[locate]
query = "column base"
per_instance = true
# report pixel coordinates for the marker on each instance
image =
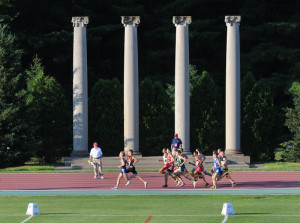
(233, 152)
(134, 152)
(79, 154)
(238, 157)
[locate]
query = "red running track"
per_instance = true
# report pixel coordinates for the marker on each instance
(85, 181)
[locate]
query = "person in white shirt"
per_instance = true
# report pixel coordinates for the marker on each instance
(96, 159)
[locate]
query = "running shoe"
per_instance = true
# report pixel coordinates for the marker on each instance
(146, 184)
(164, 186)
(194, 183)
(207, 184)
(95, 177)
(182, 185)
(128, 182)
(115, 188)
(178, 183)
(102, 177)
(213, 187)
(233, 184)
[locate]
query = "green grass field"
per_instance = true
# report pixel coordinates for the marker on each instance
(178, 208)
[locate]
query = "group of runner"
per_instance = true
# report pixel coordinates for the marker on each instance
(174, 167)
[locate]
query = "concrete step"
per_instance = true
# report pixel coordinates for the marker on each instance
(147, 162)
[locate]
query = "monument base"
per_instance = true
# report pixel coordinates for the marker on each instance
(80, 154)
(237, 157)
(232, 152)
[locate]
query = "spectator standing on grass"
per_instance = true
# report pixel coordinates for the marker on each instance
(96, 159)
(176, 144)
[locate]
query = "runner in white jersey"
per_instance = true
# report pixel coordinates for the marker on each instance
(165, 160)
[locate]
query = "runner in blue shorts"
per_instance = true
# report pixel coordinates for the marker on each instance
(123, 170)
(217, 170)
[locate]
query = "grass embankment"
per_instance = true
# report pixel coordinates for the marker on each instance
(179, 208)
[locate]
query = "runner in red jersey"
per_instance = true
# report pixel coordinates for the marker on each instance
(169, 168)
(199, 170)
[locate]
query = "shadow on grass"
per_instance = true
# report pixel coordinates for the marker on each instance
(252, 213)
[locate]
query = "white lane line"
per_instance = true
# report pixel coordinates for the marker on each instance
(27, 219)
(225, 219)
(162, 215)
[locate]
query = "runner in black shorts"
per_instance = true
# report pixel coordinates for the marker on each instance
(131, 162)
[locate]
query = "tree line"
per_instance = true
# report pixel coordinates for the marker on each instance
(36, 74)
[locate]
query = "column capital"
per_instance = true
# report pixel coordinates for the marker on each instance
(231, 19)
(80, 21)
(130, 20)
(182, 20)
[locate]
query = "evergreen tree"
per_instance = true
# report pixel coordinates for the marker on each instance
(156, 118)
(47, 109)
(106, 122)
(14, 148)
(258, 123)
(247, 85)
(292, 147)
(207, 131)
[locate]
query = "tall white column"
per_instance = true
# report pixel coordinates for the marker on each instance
(233, 91)
(182, 81)
(80, 88)
(131, 94)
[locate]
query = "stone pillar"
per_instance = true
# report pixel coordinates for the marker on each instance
(182, 81)
(233, 91)
(80, 88)
(131, 94)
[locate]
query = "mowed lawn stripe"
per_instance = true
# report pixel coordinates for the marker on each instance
(162, 208)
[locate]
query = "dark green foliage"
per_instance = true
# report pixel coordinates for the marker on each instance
(156, 118)
(207, 115)
(291, 151)
(47, 111)
(269, 32)
(292, 147)
(258, 123)
(270, 51)
(13, 125)
(106, 122)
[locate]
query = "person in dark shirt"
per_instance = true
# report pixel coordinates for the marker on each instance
(176, 143)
